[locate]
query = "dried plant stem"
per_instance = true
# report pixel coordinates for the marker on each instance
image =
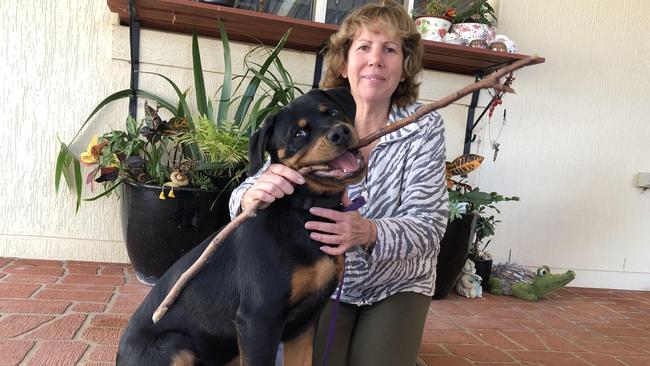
(491, 81)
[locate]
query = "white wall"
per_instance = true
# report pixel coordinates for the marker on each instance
(575, 139)
(577, 135)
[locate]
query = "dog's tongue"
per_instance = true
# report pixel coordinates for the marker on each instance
(346, 162)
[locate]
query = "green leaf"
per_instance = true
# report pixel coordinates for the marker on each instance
(126, 93)
(77, 180)
(255, 81)
(226, 88)
(199, 84)
(115, 184)
(60, 166)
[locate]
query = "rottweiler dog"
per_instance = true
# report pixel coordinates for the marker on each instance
(268, 281)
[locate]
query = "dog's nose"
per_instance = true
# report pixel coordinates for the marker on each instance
(339, 135)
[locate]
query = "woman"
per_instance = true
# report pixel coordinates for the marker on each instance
(392, 242)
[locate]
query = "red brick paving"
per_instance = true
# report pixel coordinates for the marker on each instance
(72, 313)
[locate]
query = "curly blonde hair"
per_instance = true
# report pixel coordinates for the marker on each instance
(387, 15)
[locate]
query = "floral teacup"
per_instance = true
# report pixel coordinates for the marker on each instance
(432, 28)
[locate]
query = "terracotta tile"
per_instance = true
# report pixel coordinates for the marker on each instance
(620, 331)
(81, 287)
(83, 269)
(14, 350)
(611, 348)
(102, 335)
(496, 339)
(5, 261)
(30, 279)
(449, 336)
(134, 289)
(554, 341)
(17, 290)
(445, 360)
(38, 263)
(110, 320)
(548, 358)
(86, 296)
(100, 264)
(111, 271)
(476, 352)
(58, 353)
(62, 328)
(599, 359)
(104, 353)
(32, 270)
(33, 306)
(432, 349)
(87, 307)
(93, 280)
(635, 361)
(526, 339)
(441, 307)
(441, 323)
(126, 304)
(14, 325)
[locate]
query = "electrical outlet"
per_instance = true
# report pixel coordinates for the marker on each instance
(643, 180)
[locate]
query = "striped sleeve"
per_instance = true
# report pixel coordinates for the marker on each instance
(234, 204)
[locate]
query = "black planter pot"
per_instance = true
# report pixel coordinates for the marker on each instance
(454, 249)
(158, 232)
(483, 269)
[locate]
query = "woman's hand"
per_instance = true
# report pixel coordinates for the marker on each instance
(274, 183)
(348, 229)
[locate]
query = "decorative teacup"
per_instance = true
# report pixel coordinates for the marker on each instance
(432, 28)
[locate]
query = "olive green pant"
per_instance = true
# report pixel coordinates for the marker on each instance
(387, 333)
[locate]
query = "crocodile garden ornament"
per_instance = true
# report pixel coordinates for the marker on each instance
(515, 280)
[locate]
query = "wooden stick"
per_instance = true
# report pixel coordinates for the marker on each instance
(491, 81)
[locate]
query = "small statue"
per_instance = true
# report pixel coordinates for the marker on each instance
(469, 283)
(515, 280)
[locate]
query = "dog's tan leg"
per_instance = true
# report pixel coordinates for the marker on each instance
(235, 362)
(183, 358)
(299, 351)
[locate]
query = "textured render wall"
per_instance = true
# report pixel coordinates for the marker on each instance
(56, 63)
(576, 135)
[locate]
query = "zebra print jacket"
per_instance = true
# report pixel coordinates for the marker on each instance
(407, 199)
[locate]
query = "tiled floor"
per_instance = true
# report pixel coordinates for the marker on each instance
(67, 313)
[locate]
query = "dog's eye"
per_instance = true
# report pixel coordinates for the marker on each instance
(334, 113)
(300, 134)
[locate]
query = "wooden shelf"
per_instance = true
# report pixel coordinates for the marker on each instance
(254, 27)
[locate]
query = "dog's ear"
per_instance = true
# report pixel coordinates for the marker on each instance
(258, 145)
(342, 97)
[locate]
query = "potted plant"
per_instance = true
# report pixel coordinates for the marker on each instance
(470, 222)
(475, 22)
(176, 167)
(434, 20)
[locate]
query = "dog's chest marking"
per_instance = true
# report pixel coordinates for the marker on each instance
(306, 280)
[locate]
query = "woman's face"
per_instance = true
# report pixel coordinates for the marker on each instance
(374, 65)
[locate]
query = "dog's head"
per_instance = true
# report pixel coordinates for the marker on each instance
(315, 130)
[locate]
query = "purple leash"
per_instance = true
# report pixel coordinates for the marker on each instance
(355, 205)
